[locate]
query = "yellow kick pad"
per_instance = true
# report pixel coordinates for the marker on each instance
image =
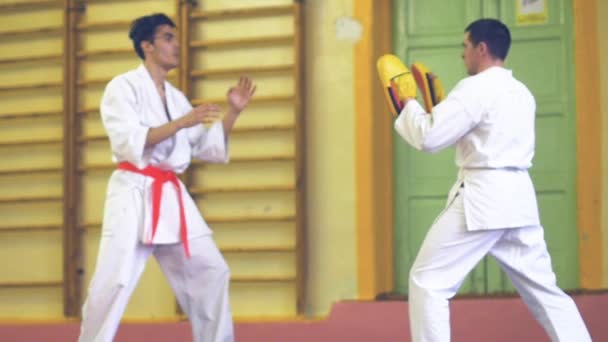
(397, 82)
(431, 88)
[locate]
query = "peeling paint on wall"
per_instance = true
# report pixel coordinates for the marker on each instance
(348, 29)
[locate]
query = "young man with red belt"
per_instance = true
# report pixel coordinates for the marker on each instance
(154, 133)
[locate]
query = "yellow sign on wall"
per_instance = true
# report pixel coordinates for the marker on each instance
(529, 12)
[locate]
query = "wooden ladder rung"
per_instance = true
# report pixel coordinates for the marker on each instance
(255, 100)
(32, 86)
(31, 142)
(93, 138)
(24, 171)
(258, 129)
(258, 249)
(90, 225)
(48, 30)
(97, 167)
(262, 279)
(246, 12)
(30, 228)
(29, 199)
(26, 59)
(204, 44)
(171, 77)
(250, 159)
(105, 52)
(249, 218)
(86, 111)
(233, 189)
(236, 159)
(93, 82)
(265, 128)
(241, 71)
(29, 4)
(215, 220)
(108, 24)
(119, 2)
(223, 219)
(29, 115)
(30, 284)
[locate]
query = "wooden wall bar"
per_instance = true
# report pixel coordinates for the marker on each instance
(56, 58)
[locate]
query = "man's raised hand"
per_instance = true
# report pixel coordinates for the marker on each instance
(240, 95)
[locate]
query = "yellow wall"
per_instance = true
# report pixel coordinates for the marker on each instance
(374, 153)
(32, 259)
(330, 150)
(603, 50)
(331, 166)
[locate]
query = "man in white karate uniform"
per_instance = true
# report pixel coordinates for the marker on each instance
(154, 133)
(489, 118)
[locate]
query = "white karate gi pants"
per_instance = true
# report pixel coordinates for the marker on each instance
(199, 283)
(449, 252)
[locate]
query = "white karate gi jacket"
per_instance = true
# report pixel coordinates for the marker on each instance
(131, 106)
(489, 118)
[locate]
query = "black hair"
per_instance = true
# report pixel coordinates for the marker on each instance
(494, 33)
(144, 28)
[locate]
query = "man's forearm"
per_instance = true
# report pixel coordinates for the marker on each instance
(160, 133)
(229, 120)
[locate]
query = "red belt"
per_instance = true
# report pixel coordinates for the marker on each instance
(160, 178)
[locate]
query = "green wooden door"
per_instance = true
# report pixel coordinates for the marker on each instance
(431, 32)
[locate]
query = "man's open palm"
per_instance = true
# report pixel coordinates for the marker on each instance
(240, 95)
